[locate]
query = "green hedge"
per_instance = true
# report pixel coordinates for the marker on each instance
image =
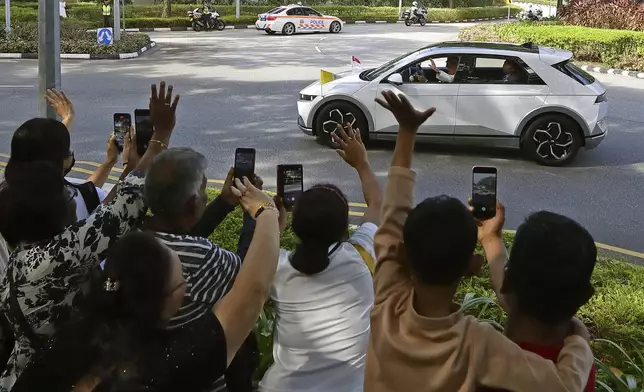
(74, 39)
(270, 3)
(89, 16)
(613, 48)
(616, 311)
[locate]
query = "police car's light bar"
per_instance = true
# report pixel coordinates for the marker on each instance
(304, 97)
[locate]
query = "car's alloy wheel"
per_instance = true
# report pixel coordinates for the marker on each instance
(289, 29)
(335, 27)
(339, 113)
(553, 140)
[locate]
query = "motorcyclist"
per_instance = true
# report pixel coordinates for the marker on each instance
(415, 10)
(206, 6)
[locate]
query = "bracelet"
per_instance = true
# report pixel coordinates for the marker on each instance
(160, 143)
(266, 207)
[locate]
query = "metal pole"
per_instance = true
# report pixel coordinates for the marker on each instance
(117, 20)
(123, 15)
(509, 11)
(237, 8)
(7, 15)
(399, 9)
(48, 53)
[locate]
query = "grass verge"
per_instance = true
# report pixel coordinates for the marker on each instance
(619, 49)
(615, 313)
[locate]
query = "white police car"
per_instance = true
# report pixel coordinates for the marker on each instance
(291, 19)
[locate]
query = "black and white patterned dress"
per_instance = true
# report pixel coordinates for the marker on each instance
(49, 277)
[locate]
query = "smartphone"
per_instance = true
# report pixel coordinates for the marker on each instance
(245, 163)
(290, 184)
(122, 123)
(144, 130)
(484, 192)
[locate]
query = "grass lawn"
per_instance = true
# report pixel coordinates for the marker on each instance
(615, 313)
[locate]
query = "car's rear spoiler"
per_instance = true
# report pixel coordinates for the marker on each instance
(548, 55)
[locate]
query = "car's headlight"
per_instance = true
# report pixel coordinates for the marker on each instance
(305, 97)
(601, 98)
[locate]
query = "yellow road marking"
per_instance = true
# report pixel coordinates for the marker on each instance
(611, 248)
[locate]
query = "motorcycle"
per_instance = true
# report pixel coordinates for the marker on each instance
(531, 15)
(411, 19)
(206, 21)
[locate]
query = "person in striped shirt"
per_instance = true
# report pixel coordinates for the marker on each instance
(175, 191)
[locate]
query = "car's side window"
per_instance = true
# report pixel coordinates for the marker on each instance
(294, 11)
(311, 12)
(500, 70)
(441, 69)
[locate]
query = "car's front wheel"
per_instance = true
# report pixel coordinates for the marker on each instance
(335, 113)
(552, 140)
(288, 29)
(336, 27)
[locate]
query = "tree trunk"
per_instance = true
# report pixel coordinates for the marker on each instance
(559, 5)
(167, 9)
(452, 4)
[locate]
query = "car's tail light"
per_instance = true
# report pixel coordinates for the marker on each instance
(271, 17)
(601, 98)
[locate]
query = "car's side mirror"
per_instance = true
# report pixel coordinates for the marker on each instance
(395, 79)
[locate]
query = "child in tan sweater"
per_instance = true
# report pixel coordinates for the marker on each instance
(420, 341)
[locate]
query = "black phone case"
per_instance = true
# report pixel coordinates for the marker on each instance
(280, 185)
(490, 208)
(241, 173)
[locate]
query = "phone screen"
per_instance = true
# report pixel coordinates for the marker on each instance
(291, 178)
(122, 123)
(245, 163)
(144, 130)
(484, 192)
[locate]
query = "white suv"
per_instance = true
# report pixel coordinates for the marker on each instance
(501, 95)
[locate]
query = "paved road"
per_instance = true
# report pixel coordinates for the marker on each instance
(240, 88)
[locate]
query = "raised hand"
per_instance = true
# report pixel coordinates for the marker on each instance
(251, 198)
(112, 150)
(130, 154)
(350, 146)
(491, 228)
(163, 109)
(61, 104)
(409, 118)
(226, 191)
(283, 214)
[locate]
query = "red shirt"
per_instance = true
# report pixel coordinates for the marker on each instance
(551, 353)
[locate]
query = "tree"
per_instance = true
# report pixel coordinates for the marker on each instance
(452, 3)
(167, 9)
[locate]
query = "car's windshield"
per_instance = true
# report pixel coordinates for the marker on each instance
(376, 72)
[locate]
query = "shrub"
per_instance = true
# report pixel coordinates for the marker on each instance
(74, 39)
(613, 48)
(604, 14)
(138, 16)
(370, 3)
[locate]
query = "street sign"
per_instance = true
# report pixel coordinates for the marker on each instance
(105, 36)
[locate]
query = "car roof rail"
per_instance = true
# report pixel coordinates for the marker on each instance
(530, 45)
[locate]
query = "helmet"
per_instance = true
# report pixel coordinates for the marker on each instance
(415, 4)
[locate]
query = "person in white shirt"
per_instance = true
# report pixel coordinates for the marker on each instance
(452, 67)
(323, 291)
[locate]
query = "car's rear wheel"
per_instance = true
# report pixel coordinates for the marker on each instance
(339, 112)
(288, 29)
(552, 140)
(336, 27)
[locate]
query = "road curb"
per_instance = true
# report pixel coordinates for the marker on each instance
(83, 56)
(242, 27)
(612, 71)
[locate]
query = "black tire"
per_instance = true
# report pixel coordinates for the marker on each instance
(408, 22)
(338, 112)
(552, 140)
(271, 32)
(288, 29)
(423, 22)
(220, 25)
(196, 26)
(335, 28)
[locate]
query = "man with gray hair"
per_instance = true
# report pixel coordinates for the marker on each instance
(175, 192)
